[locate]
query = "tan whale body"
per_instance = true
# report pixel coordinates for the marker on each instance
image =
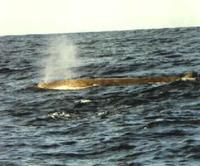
(87, 83)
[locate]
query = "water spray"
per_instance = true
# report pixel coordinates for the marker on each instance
(61, 56)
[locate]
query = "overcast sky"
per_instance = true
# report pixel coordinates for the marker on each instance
(62, 16)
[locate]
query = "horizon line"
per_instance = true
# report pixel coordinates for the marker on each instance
(99, 31)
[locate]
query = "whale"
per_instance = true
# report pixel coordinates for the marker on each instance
(77, 84)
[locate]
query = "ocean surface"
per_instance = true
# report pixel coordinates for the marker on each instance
(138, 125)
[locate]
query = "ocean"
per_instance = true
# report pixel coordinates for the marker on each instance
(139, 125)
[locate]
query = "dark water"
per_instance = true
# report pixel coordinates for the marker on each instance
(135, 125)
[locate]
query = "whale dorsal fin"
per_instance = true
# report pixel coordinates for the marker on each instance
(189, 76)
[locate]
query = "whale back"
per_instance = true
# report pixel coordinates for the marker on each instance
(87, 83)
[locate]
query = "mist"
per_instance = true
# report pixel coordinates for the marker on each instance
(60, 57)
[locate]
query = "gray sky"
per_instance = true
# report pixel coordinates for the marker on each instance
(61, 16)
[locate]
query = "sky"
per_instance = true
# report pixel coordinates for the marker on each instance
(65, 16)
